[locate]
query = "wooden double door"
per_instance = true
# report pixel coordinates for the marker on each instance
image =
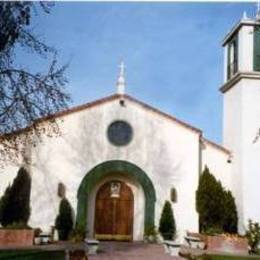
(114, 212)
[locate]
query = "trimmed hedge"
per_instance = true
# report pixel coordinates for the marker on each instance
(167, 226)
(64, 221)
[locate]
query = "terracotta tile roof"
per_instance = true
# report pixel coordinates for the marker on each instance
(114, 97)
(66, 112)
(165, 115)
(82, 107)
(217, 146)
(127, 97)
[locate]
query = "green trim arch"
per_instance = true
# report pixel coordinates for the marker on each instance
(94, 176)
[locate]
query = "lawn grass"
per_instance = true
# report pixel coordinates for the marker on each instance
(32, 255)
(227, 257)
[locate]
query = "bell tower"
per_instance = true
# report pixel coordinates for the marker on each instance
(241, 115)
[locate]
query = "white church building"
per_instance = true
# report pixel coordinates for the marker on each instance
(120, 159)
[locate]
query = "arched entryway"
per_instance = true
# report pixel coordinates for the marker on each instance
(125, 170)
(114, 211)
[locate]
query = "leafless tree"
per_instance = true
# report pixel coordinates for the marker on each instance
(26, 97)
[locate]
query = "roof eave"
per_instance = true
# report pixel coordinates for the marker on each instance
(243, 22)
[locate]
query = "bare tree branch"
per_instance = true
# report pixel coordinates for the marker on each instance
(25, 97)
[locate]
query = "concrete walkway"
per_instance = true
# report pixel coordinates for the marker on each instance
(109, 250)
(131, 251)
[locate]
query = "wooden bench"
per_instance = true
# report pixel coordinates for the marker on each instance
(171, 247)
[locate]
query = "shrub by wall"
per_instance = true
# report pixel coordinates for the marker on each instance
(167, 226)
(64, 221)
(216, 206)
(15, 203)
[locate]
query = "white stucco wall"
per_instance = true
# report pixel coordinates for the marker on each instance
(232, 136)
(250, 149)
(245, 48)
(218, 163)
(165, 150)
(7, 175)
(241, 124)
(9, 168)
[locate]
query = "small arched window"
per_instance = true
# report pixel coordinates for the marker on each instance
(61, 190)
(173, 195)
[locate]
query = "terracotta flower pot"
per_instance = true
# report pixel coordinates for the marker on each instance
(229, 244)
(16, 237)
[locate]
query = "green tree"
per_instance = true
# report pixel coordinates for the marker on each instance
(167, 226)
(230, 213)
(64, 221)
(15, 203)
(209, 202)
(216, 206)
(4, 201)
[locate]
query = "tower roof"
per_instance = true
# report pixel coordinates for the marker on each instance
(245, 21)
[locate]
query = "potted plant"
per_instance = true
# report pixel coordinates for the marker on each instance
(253, 236)
(37, 238)
(77, 235)
(167, 229)
(150, 234)
(15, 212)
(167, 226)
(16, 234)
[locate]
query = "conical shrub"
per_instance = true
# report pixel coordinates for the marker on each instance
(167, 226)
(64, 221)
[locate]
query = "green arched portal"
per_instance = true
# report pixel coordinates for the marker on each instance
(99, 172)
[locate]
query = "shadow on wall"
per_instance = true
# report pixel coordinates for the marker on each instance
(86, 141)
(44, 191)
(84, 144)
(166, 167)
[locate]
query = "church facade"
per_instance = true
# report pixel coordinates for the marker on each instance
(120, 159)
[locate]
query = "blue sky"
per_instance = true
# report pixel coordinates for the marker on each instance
(172, 52)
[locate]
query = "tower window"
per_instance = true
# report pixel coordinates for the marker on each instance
(232, 58)
(257, 48)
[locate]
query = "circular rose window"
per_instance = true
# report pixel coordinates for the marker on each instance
(120, 133)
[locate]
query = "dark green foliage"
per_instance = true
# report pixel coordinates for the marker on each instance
(230, 217)
(64, 221)
(4, 201)
(167, 226)
(224, 257)
(32, 254)
(17, 225)
(15, 203)
(209, 201)
(253, 236)
(216, 207)
(150, 231)
(77, 235)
